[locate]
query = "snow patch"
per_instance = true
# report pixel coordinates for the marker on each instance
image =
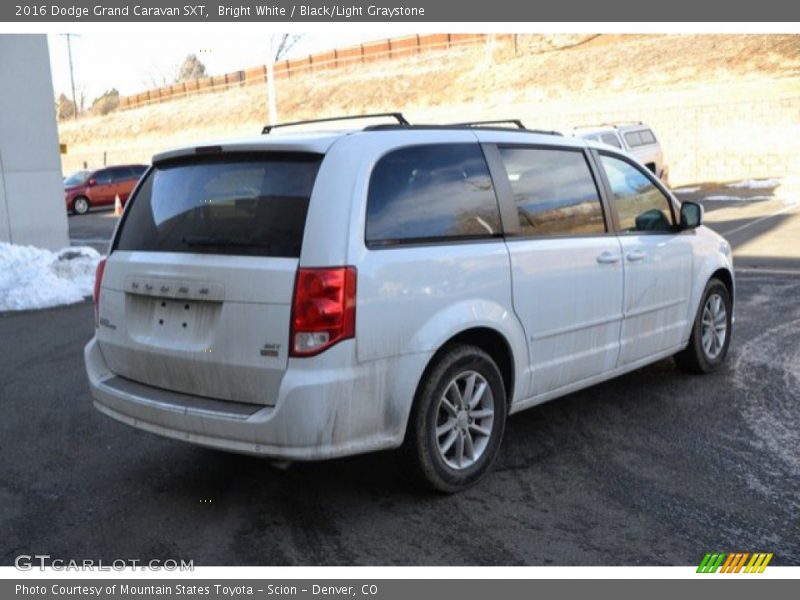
(755, 184)
(687, 190)
(32, 277)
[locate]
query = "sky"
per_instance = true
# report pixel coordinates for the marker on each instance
(133, 63)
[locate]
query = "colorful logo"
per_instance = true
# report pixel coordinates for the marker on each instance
(734, 562)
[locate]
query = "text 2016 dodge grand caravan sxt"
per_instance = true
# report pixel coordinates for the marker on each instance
(313, 295)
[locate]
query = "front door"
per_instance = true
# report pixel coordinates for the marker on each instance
(657, 262)
(102, 192)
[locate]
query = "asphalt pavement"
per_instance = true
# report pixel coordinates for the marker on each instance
(92, 229)
(654, 468)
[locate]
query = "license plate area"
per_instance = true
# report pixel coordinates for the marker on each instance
(173, 323)
(175, 317)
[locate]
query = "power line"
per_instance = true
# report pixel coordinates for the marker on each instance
(71, 75)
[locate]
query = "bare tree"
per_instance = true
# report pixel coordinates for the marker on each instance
(280, 44)
(283, 44)
(102, 105)
(80, 90)
(191, 68)
(159, 75)
(65, 108)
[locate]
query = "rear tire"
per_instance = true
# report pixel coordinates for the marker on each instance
(457, 420)
(80, 205)
(711, 332)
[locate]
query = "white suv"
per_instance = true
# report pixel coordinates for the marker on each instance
(636, 138)
(314, 295)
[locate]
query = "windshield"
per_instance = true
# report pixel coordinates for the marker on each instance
(250, 204)
(77, 178)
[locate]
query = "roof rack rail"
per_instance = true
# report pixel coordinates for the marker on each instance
(516, 122)
(613, 124)
(461, 126)
(546, 132)
(401, 120)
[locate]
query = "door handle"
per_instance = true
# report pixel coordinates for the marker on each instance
(636, 255)
(607, 258)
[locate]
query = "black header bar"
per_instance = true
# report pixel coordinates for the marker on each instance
(408, 11)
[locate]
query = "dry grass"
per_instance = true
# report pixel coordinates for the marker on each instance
(550, 76)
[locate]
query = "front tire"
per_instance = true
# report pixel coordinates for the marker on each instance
(457, 421)
(711, 332)
(80, 206)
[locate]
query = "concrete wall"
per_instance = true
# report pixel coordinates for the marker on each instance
(32, 210)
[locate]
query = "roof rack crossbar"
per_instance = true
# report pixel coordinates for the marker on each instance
(401, 120)
(516, 122)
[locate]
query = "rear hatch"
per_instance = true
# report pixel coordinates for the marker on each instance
(197, 291)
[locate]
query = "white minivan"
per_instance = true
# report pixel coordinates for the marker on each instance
(313, 295)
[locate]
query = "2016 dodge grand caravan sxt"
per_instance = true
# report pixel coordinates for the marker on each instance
(312, 295)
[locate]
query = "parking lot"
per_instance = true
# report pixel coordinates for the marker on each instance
(656, 467)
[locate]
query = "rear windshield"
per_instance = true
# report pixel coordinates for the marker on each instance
(245, 204)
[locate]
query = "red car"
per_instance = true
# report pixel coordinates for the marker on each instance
(86, 189)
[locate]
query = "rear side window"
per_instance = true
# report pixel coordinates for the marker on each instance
(121, 174)
(610, 139)
(432, 192)
(102, 177)
(647, 137)
(245, 204)
(554, 191)
(633, 138)
(640, 138)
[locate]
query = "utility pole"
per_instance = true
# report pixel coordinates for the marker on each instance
(71, 75)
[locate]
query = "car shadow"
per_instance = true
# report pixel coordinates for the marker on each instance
(531, 436)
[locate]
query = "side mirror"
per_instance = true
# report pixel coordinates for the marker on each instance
(691, 215)
(92, 181)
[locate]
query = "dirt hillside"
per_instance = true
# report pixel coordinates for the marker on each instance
(549, 81)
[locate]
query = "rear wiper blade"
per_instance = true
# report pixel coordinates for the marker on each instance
(200, 240)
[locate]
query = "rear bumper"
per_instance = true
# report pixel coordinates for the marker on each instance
(326, 408)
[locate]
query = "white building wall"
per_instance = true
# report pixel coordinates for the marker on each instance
(32, 210)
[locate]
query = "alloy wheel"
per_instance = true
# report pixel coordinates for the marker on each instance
(464, 419)
(714, 326)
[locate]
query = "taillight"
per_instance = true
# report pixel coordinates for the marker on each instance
(323, 310)
(98, 280)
